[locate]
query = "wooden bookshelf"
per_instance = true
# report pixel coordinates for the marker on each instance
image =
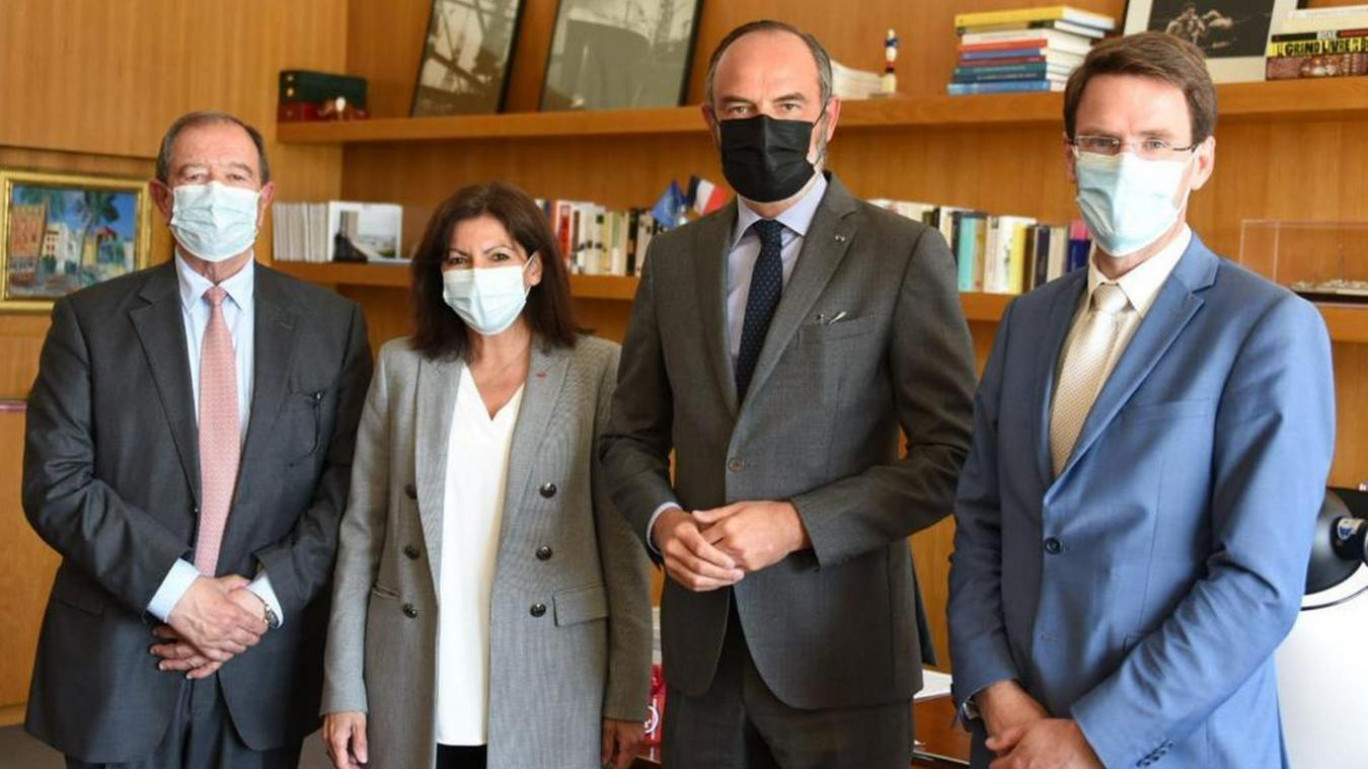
(1300, 99)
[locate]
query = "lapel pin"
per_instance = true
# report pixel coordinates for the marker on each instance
(840, 238)
(541, 374)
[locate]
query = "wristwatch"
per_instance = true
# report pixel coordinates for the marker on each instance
(272, 619)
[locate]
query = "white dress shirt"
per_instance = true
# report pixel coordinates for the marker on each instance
(743, 251)
(1141, 286)
(240, 317)
(472, 515)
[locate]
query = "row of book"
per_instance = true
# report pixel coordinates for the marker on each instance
(338, 231)
(1319, 42)
(1001, 254)
(596, 240)
(1027, 49)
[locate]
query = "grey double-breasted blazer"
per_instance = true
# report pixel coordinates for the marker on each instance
(570, 617)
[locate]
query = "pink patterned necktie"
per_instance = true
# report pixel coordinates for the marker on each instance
(219, 435)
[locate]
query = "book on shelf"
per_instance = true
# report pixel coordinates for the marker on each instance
(1000, 254)
(1316, 66)
(1324, 34)
(596, 240)
(338, 231)
(1043, 13)
(849, 83)
(1319, 47)
(1030, 49)
(1321, 19)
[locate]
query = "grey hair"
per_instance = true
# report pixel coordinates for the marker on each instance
(197, 119)
(819, 54)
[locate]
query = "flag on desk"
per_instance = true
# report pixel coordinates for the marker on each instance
(669, 209)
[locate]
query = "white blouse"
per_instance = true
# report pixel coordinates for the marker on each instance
(472, 511)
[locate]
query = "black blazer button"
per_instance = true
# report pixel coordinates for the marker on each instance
(1053, 546)
(411, 491)
(410, 610)
(411, 552)
(538, 609)
(548, 490)
(544, 553)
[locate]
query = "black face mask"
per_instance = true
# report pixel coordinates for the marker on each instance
(764, 159)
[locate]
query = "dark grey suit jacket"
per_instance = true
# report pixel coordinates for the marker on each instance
(111, 482)
(837, 625)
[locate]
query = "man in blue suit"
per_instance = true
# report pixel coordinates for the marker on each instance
(1152, 438)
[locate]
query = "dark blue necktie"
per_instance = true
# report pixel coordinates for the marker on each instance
(766, 286)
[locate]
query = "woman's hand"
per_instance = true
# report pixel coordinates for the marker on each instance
(620, 742)
(344, 734)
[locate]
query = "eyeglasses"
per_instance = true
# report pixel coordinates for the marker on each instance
(1149, 149)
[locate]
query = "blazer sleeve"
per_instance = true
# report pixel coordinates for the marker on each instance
(361, 539)
(301, 565)
(978, 639)
(627, 577)
(1274, 441)
(931, 362)
(123, 548)
(635, 449)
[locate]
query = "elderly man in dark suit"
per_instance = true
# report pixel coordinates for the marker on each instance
(189, 445)
(776, 347)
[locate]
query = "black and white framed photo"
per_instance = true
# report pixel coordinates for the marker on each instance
(464, 68)
(1232, 33)
(620, 54)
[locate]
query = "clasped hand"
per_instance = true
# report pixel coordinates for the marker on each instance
(216, 620)
(711, 549)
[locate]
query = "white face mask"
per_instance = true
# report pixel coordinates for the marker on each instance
(214, 221)
(1127, 201)
(488, 299)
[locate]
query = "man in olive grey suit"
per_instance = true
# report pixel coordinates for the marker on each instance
(776, 347)
(188, 454)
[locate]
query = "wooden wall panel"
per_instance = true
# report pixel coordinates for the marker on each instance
(25, 575)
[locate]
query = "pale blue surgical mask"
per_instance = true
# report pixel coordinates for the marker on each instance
(1127, 201)
(214, 221)
(488, 299)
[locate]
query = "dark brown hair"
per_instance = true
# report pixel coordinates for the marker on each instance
(1153, 55)
(819, 54)
(197, 119)
(438, 330)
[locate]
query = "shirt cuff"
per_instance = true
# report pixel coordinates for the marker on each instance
(650, 525)
(261, 587)
(178, 580)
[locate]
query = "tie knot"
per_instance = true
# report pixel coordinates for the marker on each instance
(215, 295)
(769, 230)
(1109, 298)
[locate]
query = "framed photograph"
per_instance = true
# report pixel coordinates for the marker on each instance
(620, 54)
(464, 69)
(62, 232)
(1232, 33)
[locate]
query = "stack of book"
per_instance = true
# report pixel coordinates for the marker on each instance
(1320, 42)
(850, 84)
(338, 231)
(1001, 254)
(1028, 49)
(598, 241)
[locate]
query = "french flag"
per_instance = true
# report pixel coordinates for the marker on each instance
(706, 196)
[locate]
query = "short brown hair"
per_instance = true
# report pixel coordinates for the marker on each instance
(197, 119)
(439, 332)
(1153, 55)
(819, 53)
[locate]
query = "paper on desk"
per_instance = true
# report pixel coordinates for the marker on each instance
(934, 684)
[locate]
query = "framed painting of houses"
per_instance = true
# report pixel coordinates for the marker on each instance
(60, 233)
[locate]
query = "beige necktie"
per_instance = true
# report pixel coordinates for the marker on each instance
(1084, 370)
(219, 437)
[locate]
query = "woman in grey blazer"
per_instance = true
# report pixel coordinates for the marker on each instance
(490, 607)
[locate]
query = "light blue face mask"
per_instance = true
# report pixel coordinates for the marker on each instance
(214, 221)
(1127, 201)
(488, 299)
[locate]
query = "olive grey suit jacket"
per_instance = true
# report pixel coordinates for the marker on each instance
(837, 625)
(570, 628)
(112, 483)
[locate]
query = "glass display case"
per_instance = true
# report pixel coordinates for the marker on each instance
(1322, 261)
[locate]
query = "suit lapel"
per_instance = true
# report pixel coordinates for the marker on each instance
(438, 382)
(545, 377)
(161, 330)
(1047, 364)
(824, 247)
(274, 348)
(1177, 302)
(710, 251)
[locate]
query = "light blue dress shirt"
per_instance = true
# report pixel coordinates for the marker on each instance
(240, 317)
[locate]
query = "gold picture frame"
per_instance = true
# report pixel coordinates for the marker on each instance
(62, 232)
